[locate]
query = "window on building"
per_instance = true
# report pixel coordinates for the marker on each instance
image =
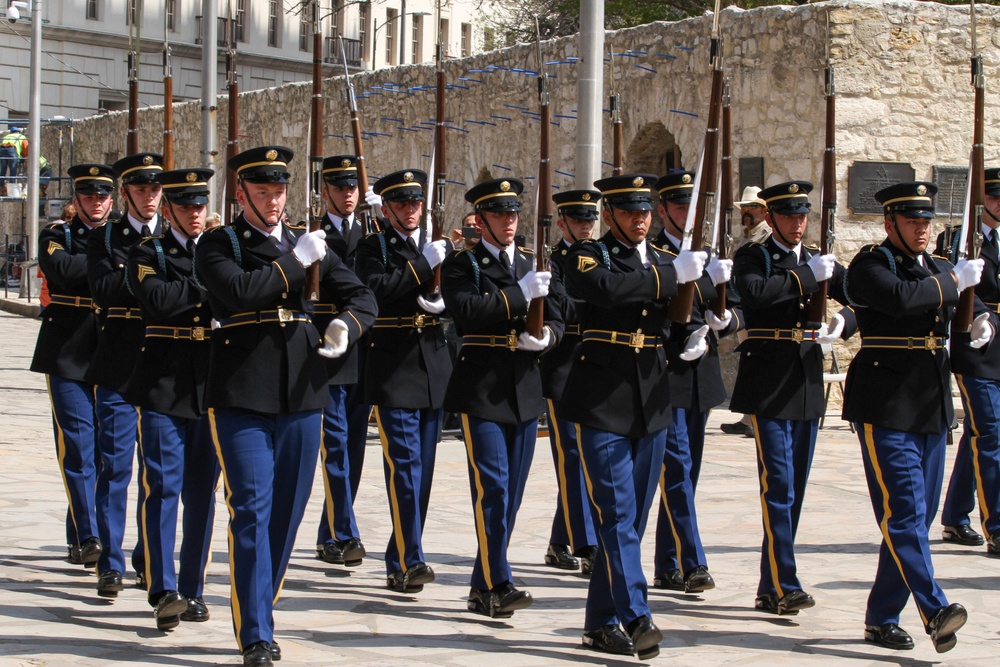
(466, 39)
(335, 18)
(113, 104)
(241, 20)
(171, 15)
(92, 8)
(443, 35)
(273, 17)
(305, 31)
(390, 35)
(416, 55)
(363, 12)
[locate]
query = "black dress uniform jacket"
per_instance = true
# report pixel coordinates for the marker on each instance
(493, 383)
(171, 374)
(407, 366)
(707, 368)
(271, 367)
(984, 362)
(556, 362)
(68, 336)
(901, 389)
(343, 369)
(614, 387)
(781, 379)
(121, 337)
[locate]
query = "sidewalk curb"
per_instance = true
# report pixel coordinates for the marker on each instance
(18, 307)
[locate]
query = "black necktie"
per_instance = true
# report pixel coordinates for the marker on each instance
(505, 261)
(345, 229)
(412, 245)
(145, 232)
(190, 247)
(278, 244)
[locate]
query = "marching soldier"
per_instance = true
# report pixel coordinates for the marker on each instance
(408, 368)
(572, 540)
(116, 357)
(66, 343)
(977, 371)
(345, 419)
(618, 395)
(266, 386)
(696, 387)
(496, 385)
(780, 378)
(168, 387)
(897, 394)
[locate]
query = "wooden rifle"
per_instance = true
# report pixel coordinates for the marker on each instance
(168, 103)
(367, 218)
(615, 106)
(315, 150)
(233, 126)
(680, 306)
(134, 10)
(722, 237)
(440, 170)
(543, 220)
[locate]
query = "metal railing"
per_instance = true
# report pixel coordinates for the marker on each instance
(352, 48)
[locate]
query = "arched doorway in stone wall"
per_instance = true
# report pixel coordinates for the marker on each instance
(654, 150)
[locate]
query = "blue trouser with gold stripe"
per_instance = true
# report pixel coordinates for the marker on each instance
(784, 455)
(409, 446)
(621, 476)
(74, 424)
(572, 524)
(268, 462)
(904, 473)
(960, 499)
(499, 460)
(339, 432)
(116, 436)
(676, 523)
(979, 450)
(179, 463)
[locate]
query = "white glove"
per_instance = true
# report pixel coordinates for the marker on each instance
(215, 324)
(535, 284)
(310, 248)
(334, 340)
(372, 199)
(435, 251)
(830, 333)
(435, 307)
(716, 324)
(968, 273)
(822, 266)
(697, 344)
(689, 265)
(982, 332)
(719, 270)
(529, 343)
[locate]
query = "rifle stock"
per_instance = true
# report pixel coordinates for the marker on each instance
(536, 309)
(233, 125)
(816, 312)
(440, 174)
(168, 104)
(132, 137)
(316, 150)
(724, 226)
(617, 132)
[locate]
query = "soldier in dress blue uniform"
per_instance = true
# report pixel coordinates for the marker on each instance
(898, 396)
(408, 368)
(168, 387)
(116, 357)
(345, 419)
(572, 540)
(780, 378)
(496, 386)
(66, 343)
(696, 387)
(266, 386)
(618, 395)
(976, 475)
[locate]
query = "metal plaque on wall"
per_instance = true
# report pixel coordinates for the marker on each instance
(751, 173)
(864, 179)
(952, 183)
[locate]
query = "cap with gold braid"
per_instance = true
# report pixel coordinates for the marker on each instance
(186, 187)
(789, 198)
(628, 192)
(264, 164)
(677, 187)
(497, 195)
(139, 168)
(402, 185)
(340, 170)
(913, 199)
(92, 178)
(992, 182)
(579, 204)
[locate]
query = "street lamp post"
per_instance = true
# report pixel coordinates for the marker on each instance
(379, 26)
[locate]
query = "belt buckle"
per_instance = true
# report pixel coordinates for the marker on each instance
(418, 321)
(197, 333)
(797, 335)
(512, 342)
(930, 343)
(636, 340)
(284, 315)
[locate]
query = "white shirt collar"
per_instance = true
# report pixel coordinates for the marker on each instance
(495, 251)
(641, 249)
(797, 249)
(138, 224)
(181, 238)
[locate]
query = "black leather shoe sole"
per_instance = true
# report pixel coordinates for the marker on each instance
(275, 651)
(963, 534)
(417, 577)
(671, 581)
(172, 604)
(609, 639)
(196, 612)
(889, 636)
(646, 639)
(558, 556)
(769, 604)
(109, 584)
(353, 551)
(945, 624)
(167, 622)
(795, 601)
(258, 655)
(90, 551)
(698, 580)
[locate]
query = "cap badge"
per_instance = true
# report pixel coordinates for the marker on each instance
(271, 154)
(504, 186)
(921, 190)
(191, 177)
(637, 182)
(586, 196)
(94, 171)
(407, 177)
(148, 160)
(793, 188)
(346, 162)
(686, 178)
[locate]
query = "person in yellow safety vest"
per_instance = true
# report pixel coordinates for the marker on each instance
(13, 148)
(44, 175)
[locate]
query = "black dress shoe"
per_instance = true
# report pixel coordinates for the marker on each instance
(73, 557)
(196, 612)
(353, 551)
(993, 543)
(558, 556)
(769, 604)
(609, 639)
(257, 654)
(275, 651)
(330, 553)
(672, 580)
(508, 599)
(698, 580)
(945, 624)
(795, 601)
(737, 428)
(587, 556)
(417, 576)
(90, 551)
(170, 605)
(109, 584)
(646, 637)
(140, 581)
(889, 635)
(963, 534)
(481, 602)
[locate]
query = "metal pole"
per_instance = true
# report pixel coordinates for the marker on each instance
(34, 132)
(402, 32)
(590, 89)
(209, 93)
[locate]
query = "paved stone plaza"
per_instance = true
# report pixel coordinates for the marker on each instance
(50, 613)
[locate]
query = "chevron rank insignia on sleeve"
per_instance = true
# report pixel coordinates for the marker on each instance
(584, 264)
(145, 271)
(53, 246)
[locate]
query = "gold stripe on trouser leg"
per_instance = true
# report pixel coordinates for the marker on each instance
(555, 436)
(670, 517)
(886, 511)
(590, 494)
(233, 595)
(397, 524)
(327, 492)
(771, 558)
(984, 508)
(61, 458)
(477, 507)
(144, 527)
